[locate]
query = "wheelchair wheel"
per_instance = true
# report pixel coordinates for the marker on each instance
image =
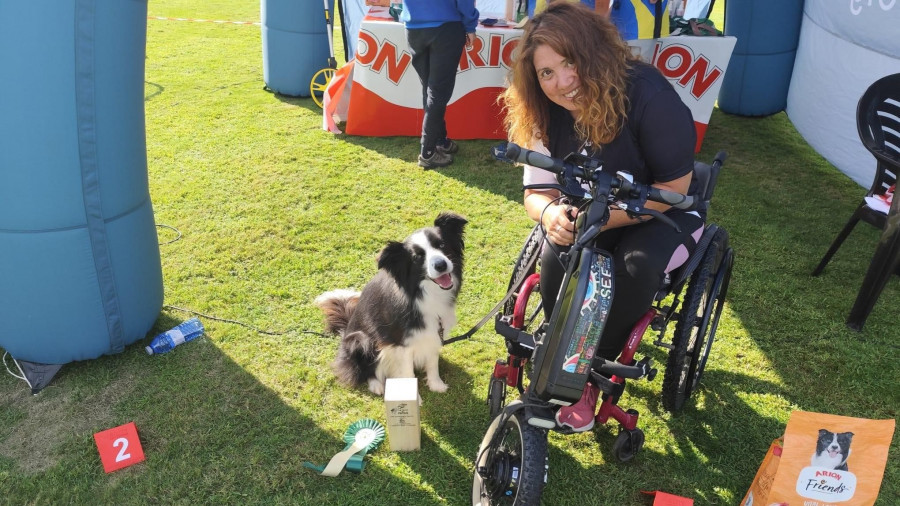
(697, 323)
(526, 264)
(511, 467)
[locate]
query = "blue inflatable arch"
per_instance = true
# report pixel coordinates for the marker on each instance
(295, 43)
(80, 271)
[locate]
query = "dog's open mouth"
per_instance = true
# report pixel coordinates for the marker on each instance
(833, 453)
(444, 281)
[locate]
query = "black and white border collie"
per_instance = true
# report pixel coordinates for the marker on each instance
(832, 450)
(398, 322)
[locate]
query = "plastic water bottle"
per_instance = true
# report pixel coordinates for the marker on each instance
(169, 339)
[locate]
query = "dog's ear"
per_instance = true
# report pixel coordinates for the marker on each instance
(451, 223)
(822, 432)
(395, 259)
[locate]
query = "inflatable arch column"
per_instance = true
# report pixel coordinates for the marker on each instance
(295, 43)
(80, 272)
(759, 72)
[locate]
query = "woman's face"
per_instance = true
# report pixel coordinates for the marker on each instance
(557, 76)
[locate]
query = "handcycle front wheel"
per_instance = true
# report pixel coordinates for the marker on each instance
(496, 396)
(511, 464)
(526, 264)
(526, 318)
(697, 324)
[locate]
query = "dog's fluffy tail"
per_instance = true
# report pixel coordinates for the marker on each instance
(338, 306)
(356, 359)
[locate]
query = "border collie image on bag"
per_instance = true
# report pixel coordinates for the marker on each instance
(832, 450)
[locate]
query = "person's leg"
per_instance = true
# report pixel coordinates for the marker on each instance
(446, 48)
(418, 41)
(552, 273)
(642, 256)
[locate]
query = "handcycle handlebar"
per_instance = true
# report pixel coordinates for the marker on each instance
(519, 154)
(623, 185)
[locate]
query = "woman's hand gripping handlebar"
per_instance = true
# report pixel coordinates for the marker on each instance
(629, 195)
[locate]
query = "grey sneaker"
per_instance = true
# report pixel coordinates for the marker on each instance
(438, 159)
(448, 146)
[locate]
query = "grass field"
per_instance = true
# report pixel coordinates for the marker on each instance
(273, 211)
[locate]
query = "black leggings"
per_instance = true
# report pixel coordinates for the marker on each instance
(642, 255)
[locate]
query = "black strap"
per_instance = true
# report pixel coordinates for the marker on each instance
(657, 22)
(512, 290)
(339, 5)
(709, 11)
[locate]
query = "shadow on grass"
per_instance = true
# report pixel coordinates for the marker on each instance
(783, 204)
(157, 89)
(705, 440)
(782, 213)
(210, 431)
(300, 102)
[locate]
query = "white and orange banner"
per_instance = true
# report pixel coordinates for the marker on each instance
(695, 66)
(385, 96)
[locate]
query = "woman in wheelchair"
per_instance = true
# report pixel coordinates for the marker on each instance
(577, 88)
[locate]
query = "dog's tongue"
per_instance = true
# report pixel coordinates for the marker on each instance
(832, 453)
(444, 281)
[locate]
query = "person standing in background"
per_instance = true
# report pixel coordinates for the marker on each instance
(437, 31)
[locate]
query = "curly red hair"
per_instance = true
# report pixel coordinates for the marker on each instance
(601, 58)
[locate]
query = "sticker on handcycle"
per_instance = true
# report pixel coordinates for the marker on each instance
(592, 317)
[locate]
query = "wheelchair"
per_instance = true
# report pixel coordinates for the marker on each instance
(511, 466)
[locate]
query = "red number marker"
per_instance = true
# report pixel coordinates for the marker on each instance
(119, 447)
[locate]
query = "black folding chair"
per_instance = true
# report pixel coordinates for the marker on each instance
(878, 123)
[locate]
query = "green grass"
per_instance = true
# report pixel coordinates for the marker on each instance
(274, 210)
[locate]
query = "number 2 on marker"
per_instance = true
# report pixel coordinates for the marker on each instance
(122, 455)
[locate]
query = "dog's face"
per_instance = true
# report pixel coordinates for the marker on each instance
(432, 253)
(832, 447)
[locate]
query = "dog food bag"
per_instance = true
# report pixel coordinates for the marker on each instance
(758, 493)
(828, 460)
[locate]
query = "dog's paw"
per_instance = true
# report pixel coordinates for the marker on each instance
(437, 386)
(377, 387)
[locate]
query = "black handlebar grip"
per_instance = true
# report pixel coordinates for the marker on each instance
(519, 154)
(512, 151)
(721, 156)
(674, 199)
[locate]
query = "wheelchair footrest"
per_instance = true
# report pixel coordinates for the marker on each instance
(636, 371)
(514, 335)
(607, 386)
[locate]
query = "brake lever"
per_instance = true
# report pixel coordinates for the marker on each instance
(638, 211)
(574, 192)
(662, 217)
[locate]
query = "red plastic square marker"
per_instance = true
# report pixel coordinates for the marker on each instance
(119, 447)
(664, 499)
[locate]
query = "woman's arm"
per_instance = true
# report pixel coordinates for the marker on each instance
(618, 218)
(557, 219)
